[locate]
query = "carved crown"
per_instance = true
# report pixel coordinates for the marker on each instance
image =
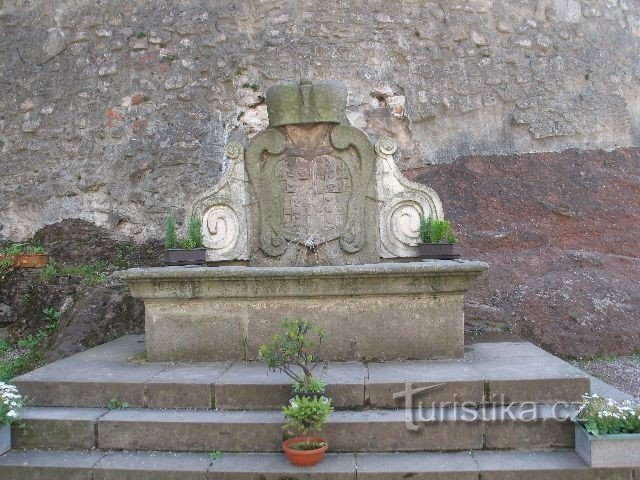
(293, 103)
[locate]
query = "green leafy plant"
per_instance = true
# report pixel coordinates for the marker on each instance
(194, 233)
(91, 273)
(305, 415)
(296, 354)
(170, 236)
(436, 231)
(602, 416)
(20, 248)
(314, 386)
(115, 404)
(215, 455)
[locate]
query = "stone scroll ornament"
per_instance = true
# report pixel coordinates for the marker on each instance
(402, 204)
(310, 171)
(223, 211)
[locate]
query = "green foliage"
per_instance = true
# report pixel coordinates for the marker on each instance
(314, 386)
(30, 349)
(306, 414)
(195, 232)
(20, 248)
(215, 455)
(141, 34)
(170, 235)
(601, 416)
(436, 231)
(295, 353)
(308, 445)
(115, 404)
(251, 86)
(91, 273)
(6, 268)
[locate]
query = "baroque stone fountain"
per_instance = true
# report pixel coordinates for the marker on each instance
(310, 220)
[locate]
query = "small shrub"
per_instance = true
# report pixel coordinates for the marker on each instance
(436, 231)
(170, 236)
(295, 353)
(305, 415)
(215, 455)
(601, 416)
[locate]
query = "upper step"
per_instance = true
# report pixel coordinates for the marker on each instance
(490, 373)
(102, 465)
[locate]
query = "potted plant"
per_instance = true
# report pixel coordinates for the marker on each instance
(24, 255)
(186, 251)
(296, 354)
(10, 406)
(303, 416)
(608, 432)
(437, 240)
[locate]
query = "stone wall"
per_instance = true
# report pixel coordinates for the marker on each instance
(116, 112)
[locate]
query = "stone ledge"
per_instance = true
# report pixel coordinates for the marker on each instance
(437, 276)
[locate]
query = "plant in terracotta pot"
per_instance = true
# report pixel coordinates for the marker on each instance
(608, 432)
(296, 353)
(304, 416)
(186, 251)
(437, 240)
(10, 407)
(24, 255)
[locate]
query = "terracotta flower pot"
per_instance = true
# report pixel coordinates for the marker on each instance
(304, 458)
(27, 260)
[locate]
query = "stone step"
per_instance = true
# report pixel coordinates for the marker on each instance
(499, 373)
(103, 465)
(429, 429)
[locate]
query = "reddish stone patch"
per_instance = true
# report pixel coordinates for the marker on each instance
(113, 117)
(137, 99)
(138, 124)
(561, 234)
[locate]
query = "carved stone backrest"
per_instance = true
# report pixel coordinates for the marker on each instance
(312, 189)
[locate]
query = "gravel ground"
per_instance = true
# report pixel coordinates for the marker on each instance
(621, 372)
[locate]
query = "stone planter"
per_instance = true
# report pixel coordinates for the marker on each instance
(179, 257)
(441, 251)
(5, 438)
(622, 450)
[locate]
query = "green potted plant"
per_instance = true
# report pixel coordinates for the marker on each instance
(186, 251)
(608, 432)
(437, 240)
(303, 416)
(10, 407)
(296, 353)
(24, 255)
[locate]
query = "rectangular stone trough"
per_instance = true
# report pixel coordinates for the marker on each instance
(382, 311)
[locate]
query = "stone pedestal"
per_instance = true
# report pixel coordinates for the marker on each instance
(382, 311)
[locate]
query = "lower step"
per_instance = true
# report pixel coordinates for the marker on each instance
(439, 429)
(101, 465)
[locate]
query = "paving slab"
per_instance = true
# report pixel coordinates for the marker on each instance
(48, 465)
(92, 378)
(554, 465)
(417, 466)
(540, 379)
(399, 430)
(535, 427)
(250, 385)
(434, 382)
(503, 350)
(185, 385)
(152, 466)
(265, 466)
(346, 384)
(57, 428)
(191, 430)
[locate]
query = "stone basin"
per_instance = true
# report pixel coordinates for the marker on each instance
(384, 311)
